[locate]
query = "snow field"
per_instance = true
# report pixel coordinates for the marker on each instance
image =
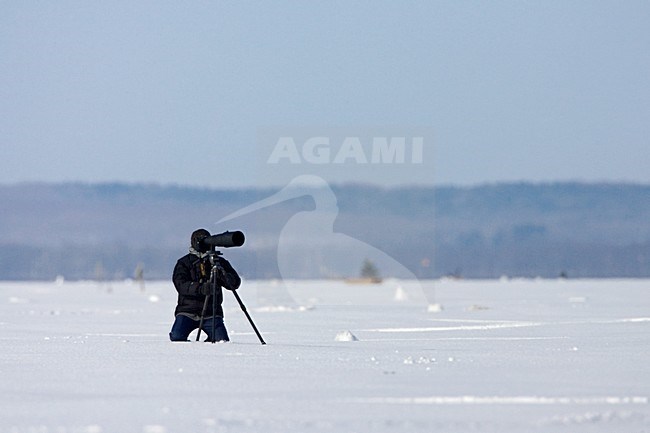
(495, 356)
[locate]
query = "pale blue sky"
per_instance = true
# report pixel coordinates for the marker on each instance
(186, 92)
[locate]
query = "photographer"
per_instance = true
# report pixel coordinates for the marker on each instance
(192, 281)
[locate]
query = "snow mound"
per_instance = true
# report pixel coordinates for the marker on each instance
(434, 308)
(400, 294)
(282, 309)
(345, 336)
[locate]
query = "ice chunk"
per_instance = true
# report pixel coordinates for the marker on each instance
(345, 336)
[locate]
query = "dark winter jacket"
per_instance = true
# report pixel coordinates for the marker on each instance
(190, 273)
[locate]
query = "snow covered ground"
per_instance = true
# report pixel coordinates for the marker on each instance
(500, 356)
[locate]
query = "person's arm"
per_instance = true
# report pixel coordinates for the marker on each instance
(228, 277)
(183, 282)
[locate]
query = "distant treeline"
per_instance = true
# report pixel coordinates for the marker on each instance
(106, 231)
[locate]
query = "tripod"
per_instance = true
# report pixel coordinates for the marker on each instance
(216, 268)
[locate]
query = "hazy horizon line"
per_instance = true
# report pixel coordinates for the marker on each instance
(179, 185)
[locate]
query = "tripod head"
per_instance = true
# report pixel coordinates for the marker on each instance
(213, 254)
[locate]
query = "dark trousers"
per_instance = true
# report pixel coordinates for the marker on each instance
(183, 325)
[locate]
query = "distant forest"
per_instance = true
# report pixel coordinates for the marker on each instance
(107, 231)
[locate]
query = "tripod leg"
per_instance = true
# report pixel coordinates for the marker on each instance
(205, 307)
(243, 308)
(214, 310)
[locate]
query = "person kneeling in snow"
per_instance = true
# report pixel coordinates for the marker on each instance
(192, 281)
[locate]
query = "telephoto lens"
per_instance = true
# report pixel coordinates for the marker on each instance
(226, 239)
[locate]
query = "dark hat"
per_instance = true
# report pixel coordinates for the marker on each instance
(197, 240)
